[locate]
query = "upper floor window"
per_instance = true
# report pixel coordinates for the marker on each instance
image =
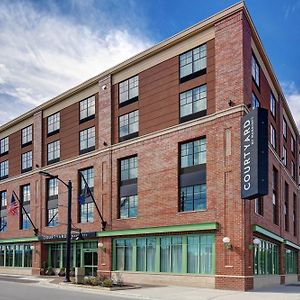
(284, 128)
(192, 63)
(87, 108)
(193, 103)
(272, 105)
(53, 152)
(255, 70)
(3, 199)
(128, 125)
(128, 168)
(4, 169)
(26, 135)
(284, 156)
(193, 153)
(259, 206)
(255, 101)
(275, 196)
(52, 188)
(4, 146)
(3, 223)
(52, 202)
(293, 145)
(53, 123)
(293, 169)
(87, 140)
(27, 161)
(25, 193)
(25, 198)
(129, 90)
(273, 136)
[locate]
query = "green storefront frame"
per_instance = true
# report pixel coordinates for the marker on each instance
(157, 264)
(16, 255)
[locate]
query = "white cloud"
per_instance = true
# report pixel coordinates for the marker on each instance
(44, 53)
(292, 94)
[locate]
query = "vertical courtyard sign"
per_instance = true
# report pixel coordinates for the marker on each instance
(254, 154)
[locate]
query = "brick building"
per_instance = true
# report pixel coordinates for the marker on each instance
(158, 140)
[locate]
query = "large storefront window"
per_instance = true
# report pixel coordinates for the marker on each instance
(266, 259)
(17, 255)
(83, 255)
(170, 254)
(290, 261)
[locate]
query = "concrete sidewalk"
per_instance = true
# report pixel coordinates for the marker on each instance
(177, 292)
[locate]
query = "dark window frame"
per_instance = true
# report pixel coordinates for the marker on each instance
(257, 84)
(55, 131)
(6, 151)
(27, 143)
(88, 117)
(132, 99)
(130, 135)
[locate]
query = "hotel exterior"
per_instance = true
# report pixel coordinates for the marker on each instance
(158, 139)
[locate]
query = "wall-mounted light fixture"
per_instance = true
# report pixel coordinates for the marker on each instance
(101, 246)
(226, 242)
(255, 243)
(104, 87)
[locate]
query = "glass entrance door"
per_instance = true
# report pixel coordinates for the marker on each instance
(90, 259)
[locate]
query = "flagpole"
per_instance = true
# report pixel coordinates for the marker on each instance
(102, 220)
(21, 204)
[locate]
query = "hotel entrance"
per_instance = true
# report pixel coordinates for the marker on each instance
(90, 262)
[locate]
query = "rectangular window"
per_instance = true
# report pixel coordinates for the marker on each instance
(293, 145)
(275, 196)
(27, 161)
(124, 254)
(4, 169)
(273, 136)
(3, 206)
(25, 199)
(295, 214)
(193, 175)
(128, 126)
(53, 122)
(255, 71)
(293, 170)
(129, 90)
(171, 254)
(53, 152)
(26, 136)
(52, 202)
(284, 128)
(87, 140)
(290, 261)
(266, 258)
(284, 156)
(4, 146)
(3, 223)
(273, 105)
(259, 206)
(3, 199)
(286, 207)
(86, 213)
(193, 63)
(193, 103)
(145, 254)
(87, 108)
(255, 102)
(128, 171)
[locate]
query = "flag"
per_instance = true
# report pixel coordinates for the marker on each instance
(12, 210)
(85, 194)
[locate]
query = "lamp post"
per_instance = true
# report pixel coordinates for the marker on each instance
(69, 221)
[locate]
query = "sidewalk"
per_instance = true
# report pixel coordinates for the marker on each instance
(176, 292)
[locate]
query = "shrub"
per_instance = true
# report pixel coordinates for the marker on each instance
(92, 280)
(50, 272)
(107, 282)
(62, 272)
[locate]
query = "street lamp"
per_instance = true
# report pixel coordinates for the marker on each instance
(69, 223)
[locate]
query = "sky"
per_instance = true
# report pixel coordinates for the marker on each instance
(49, 46)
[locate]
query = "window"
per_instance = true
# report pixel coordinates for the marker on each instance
(128, 187)
(3, 199)
(3, 206)
(3, 223)
(27, 161)
(16, 255)
(128, 126)
(293, 169)
(284, 156)
(266, 258)
(86, 212)
(4, 169)
(26, 135)
(145, 254)
(52, 202)
(87, 108)
(87, 140)
(129, 90)
(4, 146)
(193, 103)
(273, 105)
(275, 197)
(53, 123)
(259, 206)
(255, 101)
(193, 175)
(273, 136)
(255, 70)
(53, 152)
(286, 207)
(290, 261)
(192, 63)
(284, 128)
(295, 215)
(293, 145)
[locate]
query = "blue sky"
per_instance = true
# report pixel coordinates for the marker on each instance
(50, 46)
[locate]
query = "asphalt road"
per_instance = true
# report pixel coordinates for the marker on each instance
(13, 289)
